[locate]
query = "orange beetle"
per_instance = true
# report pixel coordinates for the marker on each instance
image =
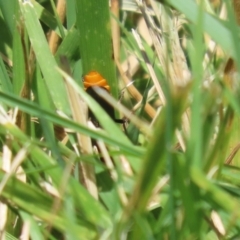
(95, 79)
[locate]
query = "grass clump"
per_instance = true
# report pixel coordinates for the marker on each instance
(171, 172)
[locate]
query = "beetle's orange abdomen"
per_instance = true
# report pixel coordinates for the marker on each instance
(93, 79)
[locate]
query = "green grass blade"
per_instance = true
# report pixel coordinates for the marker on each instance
(154, 159)
(8, 9)
(44, 57)
(195, 142)
(69, 46)
(93, 21)
(214, 193)
(71, 13)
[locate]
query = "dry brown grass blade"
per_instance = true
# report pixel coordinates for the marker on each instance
(230, 67)
(230, 80)
(115, 28)
(218, 224)
(175, 70)
(79, 112)
(6, 166)
(134, 92)
(236, 6)
(131, 64)
(150, 68)
(6, 60)
(54, 38)
(232, 154)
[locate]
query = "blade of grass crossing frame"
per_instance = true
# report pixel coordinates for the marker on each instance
(44, 57)
(195, 142)
(93, 21)
(37, 111)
